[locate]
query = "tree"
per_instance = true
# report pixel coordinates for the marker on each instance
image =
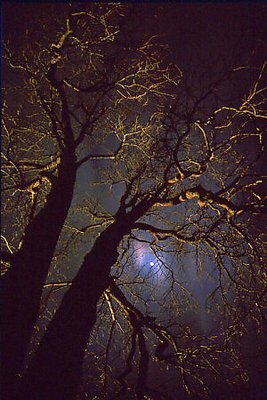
(72, 106)
(184, 161)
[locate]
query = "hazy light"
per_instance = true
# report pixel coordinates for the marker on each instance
(151, 263)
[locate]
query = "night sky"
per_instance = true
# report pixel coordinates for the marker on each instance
(194, 31)
(197, 34)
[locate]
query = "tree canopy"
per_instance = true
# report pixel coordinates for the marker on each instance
(134, 209)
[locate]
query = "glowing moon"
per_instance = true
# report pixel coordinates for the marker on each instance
(151, 263)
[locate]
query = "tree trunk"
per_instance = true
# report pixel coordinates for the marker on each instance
(21, 287)
(56, 368)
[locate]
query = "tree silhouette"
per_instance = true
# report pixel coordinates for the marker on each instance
(181, 156)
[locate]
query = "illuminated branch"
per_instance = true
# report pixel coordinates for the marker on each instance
(251, 106)
(98, 157)
(162, 234)
(109, 342)
(204, 197)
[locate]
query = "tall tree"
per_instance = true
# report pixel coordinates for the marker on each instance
(185, 154)
(74, 103)
(184, 168)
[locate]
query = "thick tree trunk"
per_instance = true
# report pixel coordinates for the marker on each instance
(21, 287)
(56, 369)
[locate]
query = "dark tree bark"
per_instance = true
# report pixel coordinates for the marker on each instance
(21, 287)
(56, 368)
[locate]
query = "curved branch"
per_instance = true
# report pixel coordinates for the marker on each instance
(162, 234)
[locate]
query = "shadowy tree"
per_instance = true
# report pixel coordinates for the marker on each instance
(183, 164)
(58, 109)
